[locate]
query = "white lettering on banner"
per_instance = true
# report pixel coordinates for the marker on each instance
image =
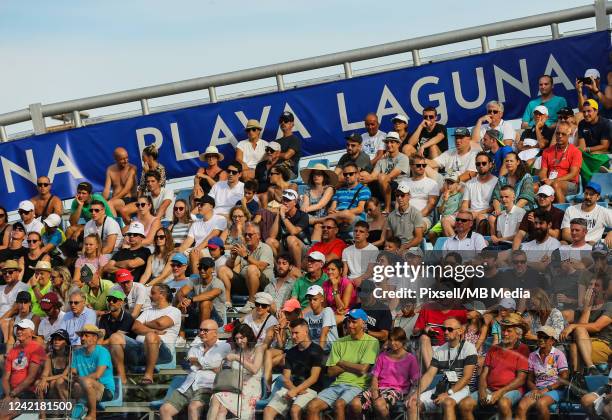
(69, 166)
(219, 129)
(416, 104)
(553, 67)
(8, 167)
(298, 126)
(148, 131)
(502, 76)
(346, 126)
(176, 140)
(263, 119)
(387, 97)
(482, 90)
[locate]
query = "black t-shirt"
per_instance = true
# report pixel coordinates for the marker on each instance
(129, 254)
(294, 143)
(299, 219)
(428, 135)
(594, 133)
(110, 325)
(379, 319)
(363, 161)
(13, 254)
(530, 133)
(531, 279)
(300, 363)
(262, 175)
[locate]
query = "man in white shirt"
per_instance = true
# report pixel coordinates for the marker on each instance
(540, 249)
(493, 119)
(424, 191)
(12, 286)
(105, 227)
(228, 193)
(251, 151)
(52, 306)
(508, 221)
(28, 217)
(579, 250)
(359, 258)
(157, 330)
(137, 294)
(373, 139)
(162, 197)
(78, 316)
(459, 161)
(478, 191)
(205, 357)
(598, 218)
(465, 241)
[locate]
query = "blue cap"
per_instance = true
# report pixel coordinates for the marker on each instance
(179, 258)
(594, 186)
(215, 242)
(358, 314)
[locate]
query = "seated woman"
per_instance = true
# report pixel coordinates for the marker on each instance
(208, 176)
(53, 382)
(234, 233)
(396, 372)
(92, 254)
(61, 283)
(248, 357)
(181, 221)
(260, 319)
(321, 183)
(377, 222)
(34, 255)
(547, 376)
(158, 268)
(145, 214)
(540, 312)
(279, 181)
(340, 293)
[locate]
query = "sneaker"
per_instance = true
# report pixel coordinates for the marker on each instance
(247, 308)
(181, 342)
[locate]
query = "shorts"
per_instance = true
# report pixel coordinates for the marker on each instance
(600, 351)
(179, 400)
(337, 392)
(390, 395)
(239, 286)
(192, 321)
(431, 406)
(281, 405)
(105, 395)
(556, 394)
(135, 353)
(514, 396)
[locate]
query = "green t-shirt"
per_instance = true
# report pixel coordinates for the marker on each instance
(85, 213)
(302, 284)
(98, 303)
(362, 351)
(36, 309)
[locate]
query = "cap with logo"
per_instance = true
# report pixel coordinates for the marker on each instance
(87, 272)
(354, 137)
(566, 110)
(594, 73)
(286, 117)
(592, 103)
(136, 228)
(541, 109)
(52, 220)
(461, 132)
(392, 136)
(215, 243)
(403, 187)
(400, 117)
(291, 305)
(180, 258)
(600, 248)
(26, 205)
(61, 333)
(123, 275)
(358, 314)
(547, 190)
(50, 301)
(116, 293)
(314, 290)
(25, 324)
(317, 256)
(290, 194)
(594, 186)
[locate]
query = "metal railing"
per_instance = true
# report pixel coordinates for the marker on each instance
(37, 112)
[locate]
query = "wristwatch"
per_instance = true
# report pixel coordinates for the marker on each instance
(450, 392)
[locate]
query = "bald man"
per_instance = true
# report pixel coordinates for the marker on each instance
(121, 179)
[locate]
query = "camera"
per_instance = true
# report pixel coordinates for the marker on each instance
(585, 80)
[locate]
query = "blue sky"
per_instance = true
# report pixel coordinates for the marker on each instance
(59, 50)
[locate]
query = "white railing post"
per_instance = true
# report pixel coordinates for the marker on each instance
(416, 58)
(212, 94)
(602, 21)
(280, 82)
(38, 121)
(554, 29)
(76, 117)
(144, 106)
(3, 136)
(484, 43)
(348, 70)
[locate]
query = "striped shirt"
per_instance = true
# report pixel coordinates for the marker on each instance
(344, 196)
(441, 359)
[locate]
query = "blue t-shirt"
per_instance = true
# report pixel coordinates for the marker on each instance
(553, 105)
(344, 196)
(498, 158)
(54, 238)
(86, 364)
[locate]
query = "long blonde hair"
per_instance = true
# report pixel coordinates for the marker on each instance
(98, 242)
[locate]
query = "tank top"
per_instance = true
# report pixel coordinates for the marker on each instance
(179, 232)
(315, 200)
(157, 266)
(205, 185)
(28, 262)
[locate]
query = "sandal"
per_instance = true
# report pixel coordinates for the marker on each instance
(146, 381)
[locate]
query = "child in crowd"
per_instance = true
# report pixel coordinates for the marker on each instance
(451, 196)
(250, 201)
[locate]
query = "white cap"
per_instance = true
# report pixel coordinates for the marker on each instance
(508, 303)
(314, 290)
(392, 136)
(316, 255)
(290, 194)
(137, 228)
(541, 109)
(274, 146)
(264, 297)
(52, 220)
(530, 142)
(592, 73)
(26, 205)
(26, 323)
(401, 118)
(547, 190)
(403, 187)
(527, 154)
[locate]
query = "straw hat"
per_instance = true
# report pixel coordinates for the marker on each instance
(211, 150)
(331, 175)
(90, 328)
(253, 124)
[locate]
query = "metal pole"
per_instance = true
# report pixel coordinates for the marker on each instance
(348, 70)
(416, 58)
(38, 121)
(212, 94)
(144, 106)
(554, 29)
(3, 136)
(602, 21)
(280, 83)
(76, 117)
(484, 43)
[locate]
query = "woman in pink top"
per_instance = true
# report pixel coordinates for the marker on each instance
(395, 373)
(340, 294)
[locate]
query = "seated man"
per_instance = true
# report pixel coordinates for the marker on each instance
(204, 298)
(429, 139)
(405, 222)
(117, 319)
(95, 287)
(291, 229)
(504, 373)
(301, 375)
(544, 199)
(137, 294)
(52, 237)
(540, 130)
(350, 361)
(465, 241)
(594, 136)
(540, 249)
(479, 191)
(157, 330)
(92, 370)
(354, 154)
(249, 268)
(321, 320)
(80, 209)
(456, 359)
(51, 304)
(373, 138)
(314, 276)
(105, 227)
(505, 226)
(330, 245)
(424, 191)
(579, 249)
(227, 193)
(44, 202)
(456, 162)
(348, 203)
(598, 217)
(494, 120)
(78, 316)
(29, 221)
(133, 258)
(547, 99)
(358, 258)
(599, 404)
(561, 164)
(206, 359)
(495, 148)
(121, 180)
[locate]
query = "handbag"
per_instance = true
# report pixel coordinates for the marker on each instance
(228, 380)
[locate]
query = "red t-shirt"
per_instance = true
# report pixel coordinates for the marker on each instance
(326, 248)
(504, 365)
(561, 161)
(18, 361)
(435, 316)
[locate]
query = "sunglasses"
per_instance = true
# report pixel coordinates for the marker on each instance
(349, 173)
(328, 227)
(420, 165)
(542, 336)
(563, 117)
(482, 163)
(24, 211)
(519, 262)
(19, 228)
(462, 220)
(252, 129)
(158, 237)
(175, 265)
(112, 299)
(8, 272)
(131, 235)
(269, 150)
(274, 173)
(179, 208)
(248, 235)
(261, 305)
(206, 330)
(43, 184)
(429, 117)
(98, 210)
(232, 172)
(75, 302)
(141, 204)
(203, 267)
(492, 111)
(32, 241)
(448, 329)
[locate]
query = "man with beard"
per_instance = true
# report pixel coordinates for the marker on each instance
(330, 246)
(548, 99)
(281, 284)
(594, 132)
(541, 247)
(544, 198)
(494, 146)
(291, 146)
(121, 179)
(598, 218)
(354, 154)
(264, 168)
(456, 162)
(600, 266)
(105, 227)
(564, 279)
(479, 191)
(524, 276)
(348, 203)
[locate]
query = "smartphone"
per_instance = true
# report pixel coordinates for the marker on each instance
(585, 80)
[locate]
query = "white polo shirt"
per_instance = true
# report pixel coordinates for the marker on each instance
(226, 197)
(472, 243)
(509, 222)
(252, 156)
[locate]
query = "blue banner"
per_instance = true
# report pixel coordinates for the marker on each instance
(325, 114)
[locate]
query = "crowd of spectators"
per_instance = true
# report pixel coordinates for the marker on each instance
(137, 273)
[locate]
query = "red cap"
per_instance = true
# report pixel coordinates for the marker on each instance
(122, 275)
(49, 301)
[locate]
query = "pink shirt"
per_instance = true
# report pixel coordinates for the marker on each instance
(396, 374)
(329, 297)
